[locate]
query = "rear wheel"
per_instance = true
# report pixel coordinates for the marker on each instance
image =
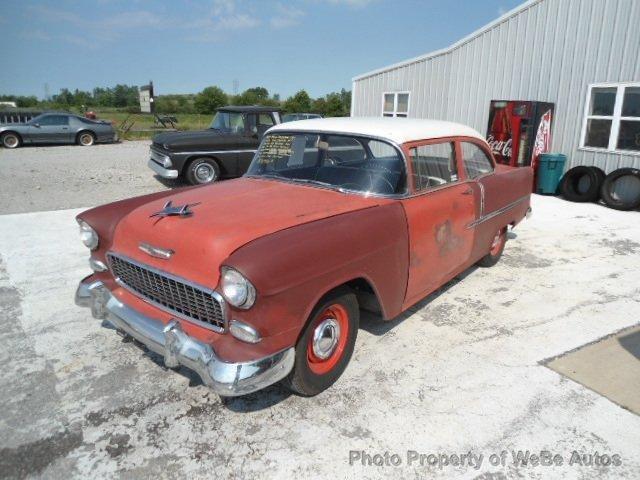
(326, 345)
(496, 249)
(10, 140)
(86, 139)
(202, 170)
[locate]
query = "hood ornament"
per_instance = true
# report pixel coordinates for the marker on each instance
(170, 211)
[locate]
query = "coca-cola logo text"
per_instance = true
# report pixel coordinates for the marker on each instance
(500, 147)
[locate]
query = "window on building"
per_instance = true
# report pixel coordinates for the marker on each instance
(433, 165)
(395, 104)
(475, 160)
(612, 118)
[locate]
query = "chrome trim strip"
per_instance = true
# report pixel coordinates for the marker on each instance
(178, 348)
(219, 298)
(206, 152)
(157, 252)
(495, 213)
(161, 171)
(481, 185)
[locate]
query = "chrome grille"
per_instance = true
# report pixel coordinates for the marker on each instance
(164, 290)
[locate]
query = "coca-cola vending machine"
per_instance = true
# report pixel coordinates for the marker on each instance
(519, 131)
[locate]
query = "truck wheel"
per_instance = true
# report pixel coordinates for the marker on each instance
(325, 347)
(495, 252)
(86, 139)
(202, 170)
(10, 140)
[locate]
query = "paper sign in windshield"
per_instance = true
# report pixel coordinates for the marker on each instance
(275, 147)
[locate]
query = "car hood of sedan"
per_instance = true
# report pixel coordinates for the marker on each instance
(223, 218)
(194, 140)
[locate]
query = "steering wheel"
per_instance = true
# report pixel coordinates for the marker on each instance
(334, 160)
(436, 180)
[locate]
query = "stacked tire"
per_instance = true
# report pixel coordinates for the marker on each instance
(590, 184)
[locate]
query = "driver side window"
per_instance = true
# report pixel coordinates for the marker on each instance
(433, 165)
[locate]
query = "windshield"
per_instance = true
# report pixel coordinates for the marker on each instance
(335, 161)
(229, 122)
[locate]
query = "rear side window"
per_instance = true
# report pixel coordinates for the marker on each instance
(476, 162)
(433, 165)
(54, 120)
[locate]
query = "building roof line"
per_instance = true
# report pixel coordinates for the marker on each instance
(436, 53)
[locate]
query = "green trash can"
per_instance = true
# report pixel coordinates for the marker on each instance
(550, 169)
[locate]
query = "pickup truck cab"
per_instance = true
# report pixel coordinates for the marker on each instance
(261, 279)
(224, 150)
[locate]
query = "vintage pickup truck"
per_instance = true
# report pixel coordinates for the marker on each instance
(261, 279)
(224, 150)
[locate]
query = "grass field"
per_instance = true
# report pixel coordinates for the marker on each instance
(144, 125)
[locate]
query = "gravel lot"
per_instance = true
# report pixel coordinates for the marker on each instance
(68, 176)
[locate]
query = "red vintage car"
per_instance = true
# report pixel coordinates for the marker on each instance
(261, 279)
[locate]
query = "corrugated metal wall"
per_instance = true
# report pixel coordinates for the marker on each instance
(551, 50)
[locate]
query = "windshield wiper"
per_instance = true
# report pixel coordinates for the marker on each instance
(316, 182)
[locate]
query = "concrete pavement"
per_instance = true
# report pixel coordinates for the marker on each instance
(462, 372)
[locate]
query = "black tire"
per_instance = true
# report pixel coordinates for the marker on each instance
(85, 138)
(608, 196)
(495, 249)
(308, 377)
(601, 176)
(10, 140)
(195, 171)
(571, 184)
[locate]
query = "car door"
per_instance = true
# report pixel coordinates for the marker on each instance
(256, 124)
(50, 129)
(440, 209)
(478, 166)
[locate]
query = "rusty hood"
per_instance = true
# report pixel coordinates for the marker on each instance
(223, 218)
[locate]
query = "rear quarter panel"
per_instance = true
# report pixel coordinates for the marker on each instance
(294, 268)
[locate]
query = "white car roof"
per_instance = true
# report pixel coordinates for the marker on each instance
(398, 130)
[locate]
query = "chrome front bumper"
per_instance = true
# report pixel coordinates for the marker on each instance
(178, 348)
(161, 171)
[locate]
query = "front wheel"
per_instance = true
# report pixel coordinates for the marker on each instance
(202, 171)
(325, 347)
(496, 249)
(10, 140)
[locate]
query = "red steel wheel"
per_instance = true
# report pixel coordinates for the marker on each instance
(326, 345)
(498, 242)
(495, 250)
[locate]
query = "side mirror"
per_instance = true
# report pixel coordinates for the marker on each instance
(37, 125)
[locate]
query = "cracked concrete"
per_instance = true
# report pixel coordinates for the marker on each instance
(459, 372)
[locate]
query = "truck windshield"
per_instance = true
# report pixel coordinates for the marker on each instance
(335, 161)
(229, 122)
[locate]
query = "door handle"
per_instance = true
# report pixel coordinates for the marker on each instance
(468, 191)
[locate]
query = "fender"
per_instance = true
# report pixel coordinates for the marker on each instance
(293, 268)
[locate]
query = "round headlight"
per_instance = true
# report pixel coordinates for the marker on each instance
(236, 289)
(88, 236)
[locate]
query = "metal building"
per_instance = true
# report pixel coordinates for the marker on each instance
(581, 55)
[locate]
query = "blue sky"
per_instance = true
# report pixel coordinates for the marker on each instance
(186, 45)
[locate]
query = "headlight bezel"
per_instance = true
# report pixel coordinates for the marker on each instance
(237, 289)
(88, 236)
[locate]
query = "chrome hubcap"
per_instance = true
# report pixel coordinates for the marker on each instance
(10, 141)
(205, 173)
(325, 338)
(86, 139)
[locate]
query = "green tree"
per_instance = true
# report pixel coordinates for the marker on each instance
(298, 103)
(209, 99)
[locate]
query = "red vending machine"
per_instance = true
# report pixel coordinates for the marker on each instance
(519, 131)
